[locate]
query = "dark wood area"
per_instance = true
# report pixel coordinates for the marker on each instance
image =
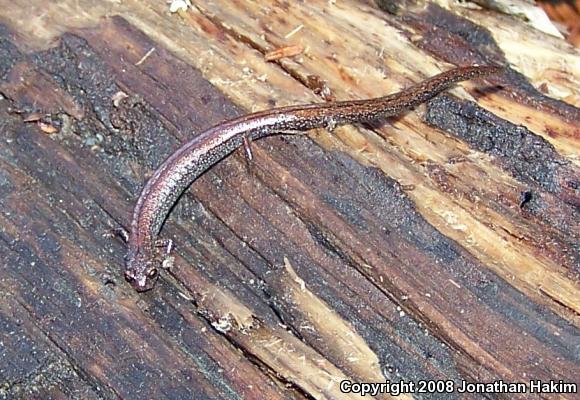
(438, 245)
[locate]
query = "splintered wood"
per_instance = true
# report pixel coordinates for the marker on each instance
(437, 246)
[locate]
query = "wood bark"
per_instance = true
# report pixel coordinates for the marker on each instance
(441, 244)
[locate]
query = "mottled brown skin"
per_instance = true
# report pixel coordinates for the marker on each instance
(199, 154)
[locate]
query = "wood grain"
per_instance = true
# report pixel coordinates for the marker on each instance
(441, 244)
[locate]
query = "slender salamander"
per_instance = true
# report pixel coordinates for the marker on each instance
(206, 149)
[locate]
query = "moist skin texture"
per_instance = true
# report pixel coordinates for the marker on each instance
(199, 154)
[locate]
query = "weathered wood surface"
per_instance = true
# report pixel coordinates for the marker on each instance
(442, 244)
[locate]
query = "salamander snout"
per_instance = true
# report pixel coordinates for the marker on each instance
(141, 273)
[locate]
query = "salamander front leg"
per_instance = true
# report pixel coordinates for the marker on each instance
(167, 245)
(121, 233)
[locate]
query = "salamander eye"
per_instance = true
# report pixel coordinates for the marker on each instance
(152, 273)
(129, 276)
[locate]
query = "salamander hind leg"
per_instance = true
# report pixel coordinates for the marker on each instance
(247, 143)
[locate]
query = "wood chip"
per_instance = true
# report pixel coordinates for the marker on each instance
(284, 52)
(47, 128)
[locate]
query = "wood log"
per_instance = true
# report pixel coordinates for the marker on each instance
(439, 245)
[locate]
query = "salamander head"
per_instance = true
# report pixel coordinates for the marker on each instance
(141, 270)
